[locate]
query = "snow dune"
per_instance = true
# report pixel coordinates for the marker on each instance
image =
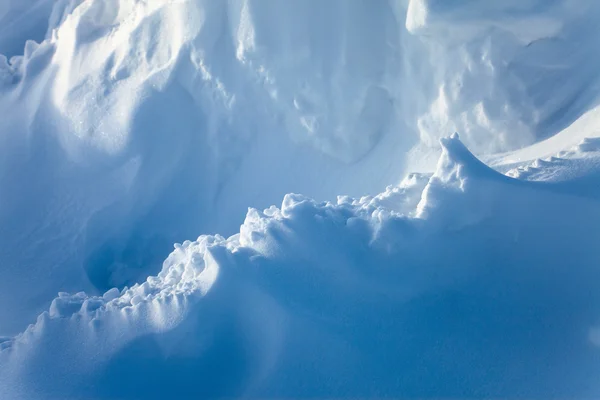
(130, 112)
(417, 270)
(490, 289)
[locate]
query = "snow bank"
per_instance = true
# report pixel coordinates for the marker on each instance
(122, 114)
(491, 289)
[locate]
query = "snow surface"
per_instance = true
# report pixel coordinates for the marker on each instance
(418, 271)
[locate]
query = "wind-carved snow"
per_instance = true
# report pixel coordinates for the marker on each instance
(128, 126)
(482, 301)
(130, 112)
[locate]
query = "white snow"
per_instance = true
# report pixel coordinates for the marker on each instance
(491, 290)
(417, 270)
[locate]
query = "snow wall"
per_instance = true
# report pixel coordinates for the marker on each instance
(128, 126)
(136, 124)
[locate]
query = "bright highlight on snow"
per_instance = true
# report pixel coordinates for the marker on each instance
(417, 262)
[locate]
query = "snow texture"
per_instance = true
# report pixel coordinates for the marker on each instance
(413, 265)
(470, 297)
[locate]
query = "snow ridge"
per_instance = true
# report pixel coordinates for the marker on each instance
(122, 104)
(294, 282)
(131, 125)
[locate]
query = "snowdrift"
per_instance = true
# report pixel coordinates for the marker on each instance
(124, 114)
(128, 126)
(483, 286)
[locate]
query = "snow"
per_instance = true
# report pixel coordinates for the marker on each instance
(413, 264)
(477, 296)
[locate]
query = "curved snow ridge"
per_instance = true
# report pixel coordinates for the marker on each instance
(192, 267)
(189, 271)
(318, 289)
(234, 104)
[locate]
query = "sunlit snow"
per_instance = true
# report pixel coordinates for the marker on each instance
(299, 199)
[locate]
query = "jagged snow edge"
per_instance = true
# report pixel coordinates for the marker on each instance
(193, 267)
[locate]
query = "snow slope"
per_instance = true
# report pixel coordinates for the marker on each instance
(131, 125)
(129, 112)
(491, 289)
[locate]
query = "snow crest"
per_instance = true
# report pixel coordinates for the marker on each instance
(131, 125)
(124, 113)
(121, 114)
(299, 285)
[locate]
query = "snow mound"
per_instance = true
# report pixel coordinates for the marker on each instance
(118, 115)
(121, 114)
(489, 289)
